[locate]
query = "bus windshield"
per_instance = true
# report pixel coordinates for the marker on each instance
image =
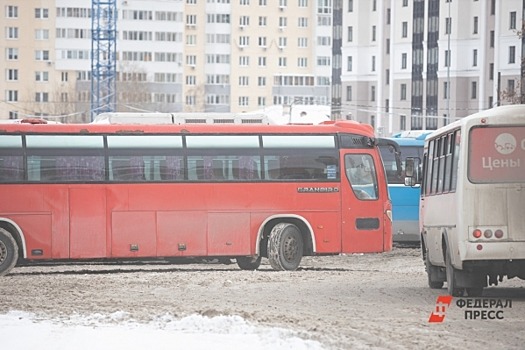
(497, 155)
(388, 155)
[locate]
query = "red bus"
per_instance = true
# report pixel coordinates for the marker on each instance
(84, 192)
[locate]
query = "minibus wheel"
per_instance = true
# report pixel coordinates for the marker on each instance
(285, 247)
(249, 263)
(451, 277)
(432, 273)
(8, 252)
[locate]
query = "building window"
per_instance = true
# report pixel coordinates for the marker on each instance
(12, 53)
(349, 93)
(244, 80)
(191, 20)
(349, 64)
(12, 32)
(388, 16)
(475, 31)
(372, 93)
(512, 20)
(387, 46)
(302, 22)
(403, 91)
(373, 33)
(12, 74)
(41, 76)
(445, 90)
(448, 25)
(41, 97)
(512, 54)
(350, 5)
(491, 39)
(387, 77)
(474, 92)
(244, 61)
(474, 58)
(243, 100)
(402, 122)
(350, 34)
(373, 63)
(12, 11)
(12, 95)
(405, 3)
(447, 58)
(491, 71)
(403, 61)
(404, 30)
(41, 13)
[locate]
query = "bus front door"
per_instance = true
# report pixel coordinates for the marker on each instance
(362, 204)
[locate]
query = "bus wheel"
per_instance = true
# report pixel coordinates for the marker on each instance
(285, 247)
(451, 277)
(249, 263)
(8, 252)
(432, 273)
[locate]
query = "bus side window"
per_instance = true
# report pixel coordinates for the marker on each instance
(11, 169)
(172, 168)
(127, 169)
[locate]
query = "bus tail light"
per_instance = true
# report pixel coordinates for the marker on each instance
(488, 233)
(476, 233)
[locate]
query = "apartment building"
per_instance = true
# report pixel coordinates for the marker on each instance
(172, 56)
(420, 64)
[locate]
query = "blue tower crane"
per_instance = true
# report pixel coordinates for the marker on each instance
(103, 56)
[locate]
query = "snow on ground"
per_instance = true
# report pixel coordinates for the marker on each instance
(22, 330)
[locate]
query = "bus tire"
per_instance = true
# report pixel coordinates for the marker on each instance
(452, 287)
(249, 263)
(285, 247)
(433, 274)
(8, 252)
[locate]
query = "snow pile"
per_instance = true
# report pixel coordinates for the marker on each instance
(22, 330)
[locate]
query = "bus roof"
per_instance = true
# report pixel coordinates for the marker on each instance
(346, 126)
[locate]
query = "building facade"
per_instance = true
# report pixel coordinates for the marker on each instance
(420, 64)
(396, 64)
(172, 56)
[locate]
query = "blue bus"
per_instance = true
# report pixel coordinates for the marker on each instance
(405, 199)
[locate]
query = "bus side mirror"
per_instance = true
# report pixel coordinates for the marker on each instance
(410, 172)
